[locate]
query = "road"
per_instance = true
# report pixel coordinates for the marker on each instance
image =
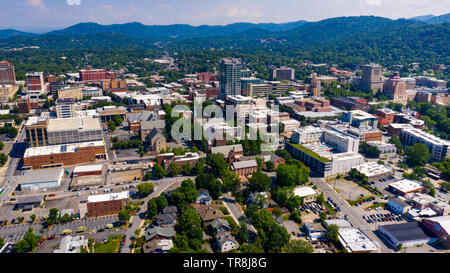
(353, 217)
(12, 175)
(235, 210)
(138, 219)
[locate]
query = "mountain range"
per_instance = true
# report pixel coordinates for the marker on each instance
(184, 31)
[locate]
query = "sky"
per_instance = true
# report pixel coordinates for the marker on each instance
(44, 15)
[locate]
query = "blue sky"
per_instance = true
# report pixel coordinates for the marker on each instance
(40, 15)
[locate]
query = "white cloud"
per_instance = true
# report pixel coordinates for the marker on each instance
(73, 2)
(373, 2)
(37, 4)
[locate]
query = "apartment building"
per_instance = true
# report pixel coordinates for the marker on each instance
(439, 148)
(73, 92)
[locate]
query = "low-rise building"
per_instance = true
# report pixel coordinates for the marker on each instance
(41, 179)
(439, 227)
(208, 213)
(72, 244)
(404, 187)
(244, 168)
(28, 203)
(107, 204)
(407, 234)
(307, 194)
(63, 155)
(166, 159)
(423, 201)
(88, 170)
(374, 171)
(159, 233)
(386, 149)
(225, 241)
(355, 241)
(75, 92)
(398, 206)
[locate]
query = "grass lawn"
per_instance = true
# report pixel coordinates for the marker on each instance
(351, 202)
(231, 221)
(374, 206)
(111, 246)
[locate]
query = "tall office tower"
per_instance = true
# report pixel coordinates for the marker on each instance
(372, 78)
(7, 74)
(229, 78)
(395, 89)
(283, 73)
(315, 87)
(35, 81)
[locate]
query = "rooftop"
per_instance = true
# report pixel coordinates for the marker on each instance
(372, 168)
(354, 240)
(406, 185)
(108, 197)
(244, 164)
(304, 191)
(77, 123)
(44, 175)
(88, 168)
(406, 232)
(59, 149)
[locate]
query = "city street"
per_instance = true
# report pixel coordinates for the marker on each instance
(235, 210)
(354, 217)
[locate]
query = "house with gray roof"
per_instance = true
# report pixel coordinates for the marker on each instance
(159, 233)
(204, 197)
(227, 149)
(220, 224)
(225, 241)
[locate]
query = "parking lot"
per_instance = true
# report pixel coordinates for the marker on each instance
(383, 183)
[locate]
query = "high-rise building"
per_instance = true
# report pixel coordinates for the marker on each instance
(283, 73)
(372, 78)
(229, 78)
(315, 87)
(7, 74)
(67, 108)
(35, 81)
(395, 89)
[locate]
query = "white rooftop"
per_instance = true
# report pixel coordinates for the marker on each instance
(354, 240)
(108, 197)
(88, 168)
(304, 191)
(372, 168)
(406, 185)
(58, 149)
(76, 123)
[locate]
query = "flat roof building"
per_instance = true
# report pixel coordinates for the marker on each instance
(408, 234)
(355, 241)
(374, 171)
(439, 148)
(107, 204)
(41, 179)
(405, 186)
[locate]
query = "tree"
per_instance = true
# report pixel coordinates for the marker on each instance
(417, 155)
(283, 154)
(117, 120)
(158, 171)
(186, 169)
(298, 246)
(277, 211)
(162, 203)
(398, 144)
(152, 208)
(2, 145)
(296, 216)
(260, 163)
(3, 159)
(210, 183)
(332, 233)
(259, 182)
(292, 174)
(21, 246)
(111, 126)
(2, 242)
(322, 216)
(269, 166)
(124, 216)
(33, 217)
(144, 189)
(242, 233)
(231, 182)
(173, 169)
(218, 164)
(199, 166)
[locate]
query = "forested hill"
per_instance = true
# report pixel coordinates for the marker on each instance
(349, 40)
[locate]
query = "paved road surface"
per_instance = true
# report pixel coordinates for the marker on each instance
(353, 217)
(137, 219)
(235, 210)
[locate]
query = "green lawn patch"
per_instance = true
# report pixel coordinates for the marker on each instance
(374, 206)
(361, 199)
(111, 246)
(310, 153)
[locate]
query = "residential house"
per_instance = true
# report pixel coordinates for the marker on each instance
(158, 246)
(220, 225)
(226, 241)
(159, 233)
(244, 168)
(209, 213)
(254, 195)
(203, 197)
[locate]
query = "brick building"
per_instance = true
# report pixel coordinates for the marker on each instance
(107, 204)
(166, 159)
(244, 168)
(63, 155)
(88, 170)
(90, 75)
(7, 74)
